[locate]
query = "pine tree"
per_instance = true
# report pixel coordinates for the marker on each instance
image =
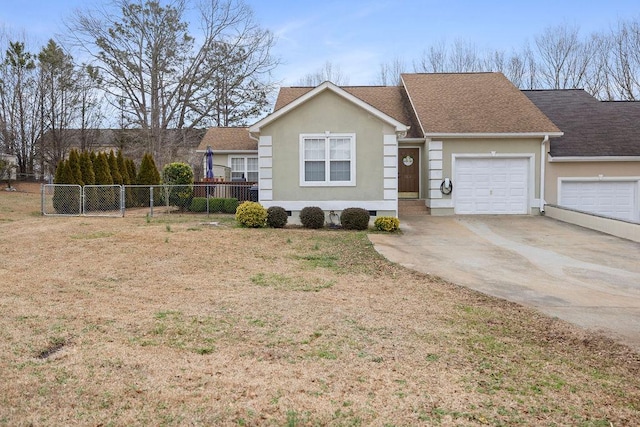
(74, 168)
(148, 175)
(86, 167)
(116, 176)
(66, 200)
(89, 179)
(106, 198)
(126, 180)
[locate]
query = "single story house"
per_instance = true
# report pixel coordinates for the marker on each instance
(468, 143)
(235, 153)
(595, 166)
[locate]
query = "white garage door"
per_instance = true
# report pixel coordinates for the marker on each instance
(491, 186)
(615, 199)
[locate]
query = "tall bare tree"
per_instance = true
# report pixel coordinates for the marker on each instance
(162, 75)
(389, 73)
(19, 97)
(328, 72)
(623, 65)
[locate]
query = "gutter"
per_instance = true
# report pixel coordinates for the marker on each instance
(543, 161)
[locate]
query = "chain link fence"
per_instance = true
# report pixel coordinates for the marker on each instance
(61, 200)
(117, 200)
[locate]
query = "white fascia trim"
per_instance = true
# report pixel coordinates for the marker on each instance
(338, 91)
(335, 205)
(594, 159)
(493, 135)
(598, 178)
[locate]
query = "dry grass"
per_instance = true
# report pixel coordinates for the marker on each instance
(124, 321)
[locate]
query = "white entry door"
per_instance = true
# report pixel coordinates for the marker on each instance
(615, 199)
(491, 186)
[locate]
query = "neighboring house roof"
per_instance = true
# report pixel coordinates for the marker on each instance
(591, 128)
(473, 103)
(228, 139)
(388, 98)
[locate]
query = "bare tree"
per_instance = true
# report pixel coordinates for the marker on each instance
(564, 59)
(328, 72)
(162, 76)
(624, 61)
(389, 73)
(432, 60)
(19, 98)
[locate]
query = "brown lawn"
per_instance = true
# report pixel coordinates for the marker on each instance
(172, 321)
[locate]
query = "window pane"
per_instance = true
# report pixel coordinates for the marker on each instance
(314, 171)
(237, 164)
(314, 149)
(252, 176)
(340, 171)
(252, 164)
(340, 149)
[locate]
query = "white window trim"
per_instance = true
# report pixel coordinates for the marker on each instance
(246, 164)
(327, 182)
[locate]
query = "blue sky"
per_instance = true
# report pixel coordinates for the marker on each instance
(358, 35)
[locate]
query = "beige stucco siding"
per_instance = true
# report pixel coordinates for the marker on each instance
(327, 112)
(557, 170)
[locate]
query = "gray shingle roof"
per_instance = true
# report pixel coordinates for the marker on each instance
(591, 127)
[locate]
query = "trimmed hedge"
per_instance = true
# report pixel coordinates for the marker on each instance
(355, 219)
(276, 217)
(312, 217)
(216, 205)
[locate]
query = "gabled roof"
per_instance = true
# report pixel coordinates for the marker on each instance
(228, 139)
(473, 103)
(591, 128)
(389, 98)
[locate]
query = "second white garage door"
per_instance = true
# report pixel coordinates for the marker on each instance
(491, 186)
(615, 199)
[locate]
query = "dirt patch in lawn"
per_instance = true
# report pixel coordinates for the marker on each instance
(176, 321)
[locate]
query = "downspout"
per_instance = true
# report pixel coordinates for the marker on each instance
(543, 162)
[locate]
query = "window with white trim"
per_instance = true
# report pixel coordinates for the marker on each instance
(244, 168)
(327, 159)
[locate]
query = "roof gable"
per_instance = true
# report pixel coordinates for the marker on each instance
(473, 103)
(290, 98)
(591, 128)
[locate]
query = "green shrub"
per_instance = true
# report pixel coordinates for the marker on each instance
(230, 205)
(387, 223)
(216, 204)
(276, 217)
(354, 219)
(312, 217)
(251, 214)
(198, 204)
(179, 176)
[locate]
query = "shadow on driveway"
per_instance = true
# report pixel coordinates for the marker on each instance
(585, 277)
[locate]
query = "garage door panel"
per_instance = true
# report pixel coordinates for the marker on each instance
(615, 199)
(491, 186)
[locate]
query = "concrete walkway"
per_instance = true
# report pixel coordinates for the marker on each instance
(582, 276)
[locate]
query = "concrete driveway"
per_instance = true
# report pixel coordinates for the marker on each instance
(582, 276)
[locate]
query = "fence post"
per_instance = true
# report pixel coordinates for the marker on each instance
(123, 200)
(208, 199)
(151, 200)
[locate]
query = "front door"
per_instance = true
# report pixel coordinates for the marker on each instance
(408, 173)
